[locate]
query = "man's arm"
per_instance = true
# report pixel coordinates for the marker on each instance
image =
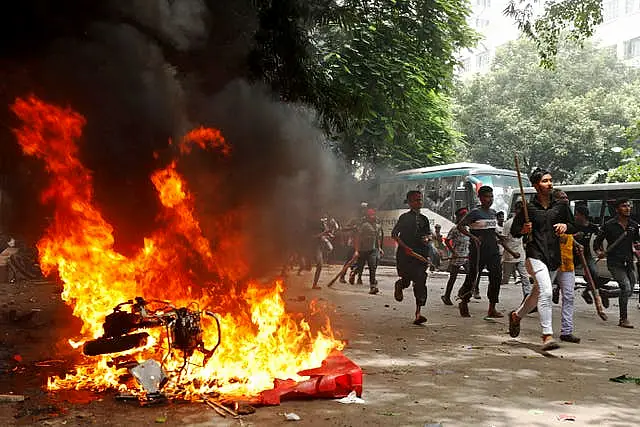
(570, 221)
(516, 225)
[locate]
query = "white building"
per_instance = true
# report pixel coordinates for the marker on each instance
(620, 30)
(488, 19)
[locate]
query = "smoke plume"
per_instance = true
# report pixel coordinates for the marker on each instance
(143, 72)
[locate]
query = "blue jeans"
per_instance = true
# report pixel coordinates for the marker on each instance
(625, 275)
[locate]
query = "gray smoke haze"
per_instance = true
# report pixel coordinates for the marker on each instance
(144, 71)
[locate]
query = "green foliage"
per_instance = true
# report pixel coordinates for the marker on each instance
(629, 171)
(567, 119)
(573, 20)
(377, 71)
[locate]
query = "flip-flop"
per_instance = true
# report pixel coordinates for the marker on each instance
(514, 325)
(420, 320)
(316, 287)
(550, 345)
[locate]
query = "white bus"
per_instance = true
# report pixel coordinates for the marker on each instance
(445, 189)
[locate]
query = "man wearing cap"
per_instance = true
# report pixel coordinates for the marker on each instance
(621, 233)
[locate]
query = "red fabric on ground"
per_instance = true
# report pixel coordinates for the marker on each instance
(337, 377)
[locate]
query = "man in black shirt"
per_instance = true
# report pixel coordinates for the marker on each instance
(411, 232)
(548, 219)
(482, 222)
(586, 230)
(621, 232)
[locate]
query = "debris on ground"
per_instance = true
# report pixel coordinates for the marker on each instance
(150, 375)
(625, 379)
(351, 398)
(566, 417)
(11, 398)
(290, 416)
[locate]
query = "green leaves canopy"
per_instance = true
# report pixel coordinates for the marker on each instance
(566, 119)
(378, 72)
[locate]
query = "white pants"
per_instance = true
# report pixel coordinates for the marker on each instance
(567, 282)
(540, 294)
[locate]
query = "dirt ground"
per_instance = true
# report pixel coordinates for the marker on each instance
(452, 371)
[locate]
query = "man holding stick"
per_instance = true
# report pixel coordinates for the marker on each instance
(482, 223)
(621, 232)
(412, 232)
(543, 220)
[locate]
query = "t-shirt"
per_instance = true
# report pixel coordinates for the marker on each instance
(460, 244)
(482, 223)
(587, 231)
(513, 243)
(367, 235)
(412, 228)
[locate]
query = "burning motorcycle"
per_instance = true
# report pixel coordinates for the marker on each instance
(123, 328)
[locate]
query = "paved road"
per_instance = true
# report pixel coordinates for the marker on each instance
(454, 371)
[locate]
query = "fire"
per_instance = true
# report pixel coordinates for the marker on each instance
(260, 340)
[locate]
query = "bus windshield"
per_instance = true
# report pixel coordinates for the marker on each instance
(503, 187)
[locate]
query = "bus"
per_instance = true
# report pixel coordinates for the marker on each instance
(599, 200)
(445, 189)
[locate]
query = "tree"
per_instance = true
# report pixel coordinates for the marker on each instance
(572, 20)
(629, 171)
(567, 119)
(377, 71)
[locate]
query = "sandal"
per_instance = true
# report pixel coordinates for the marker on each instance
(420, 320)
(514, 324)
(551, 344)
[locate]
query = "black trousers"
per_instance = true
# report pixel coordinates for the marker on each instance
(371, 259)
(476, 263)
(416, 273)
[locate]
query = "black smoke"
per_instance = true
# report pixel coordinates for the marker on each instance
(145, 71)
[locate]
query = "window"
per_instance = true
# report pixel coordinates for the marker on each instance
(482, 23)
(466, 64)
(484, 3)
(632, 48)
(482, 61)
(632, 6)
(611, 50)
(609, 10)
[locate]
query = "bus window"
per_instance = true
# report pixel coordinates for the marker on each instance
(392, 196)
(461, 197)
(446, 195)
(503, 188)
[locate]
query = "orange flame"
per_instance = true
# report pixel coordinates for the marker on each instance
(260, 340)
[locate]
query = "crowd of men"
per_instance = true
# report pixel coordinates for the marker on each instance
(542, 242)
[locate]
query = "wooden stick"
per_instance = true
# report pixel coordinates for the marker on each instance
(592, 284)
(616, 242)
(222, 407)
(218, 411)
(343, 270)
(525, 208)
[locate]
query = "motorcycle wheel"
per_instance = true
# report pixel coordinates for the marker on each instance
(114, 344)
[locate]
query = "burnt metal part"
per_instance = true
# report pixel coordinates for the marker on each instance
(105, 345)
